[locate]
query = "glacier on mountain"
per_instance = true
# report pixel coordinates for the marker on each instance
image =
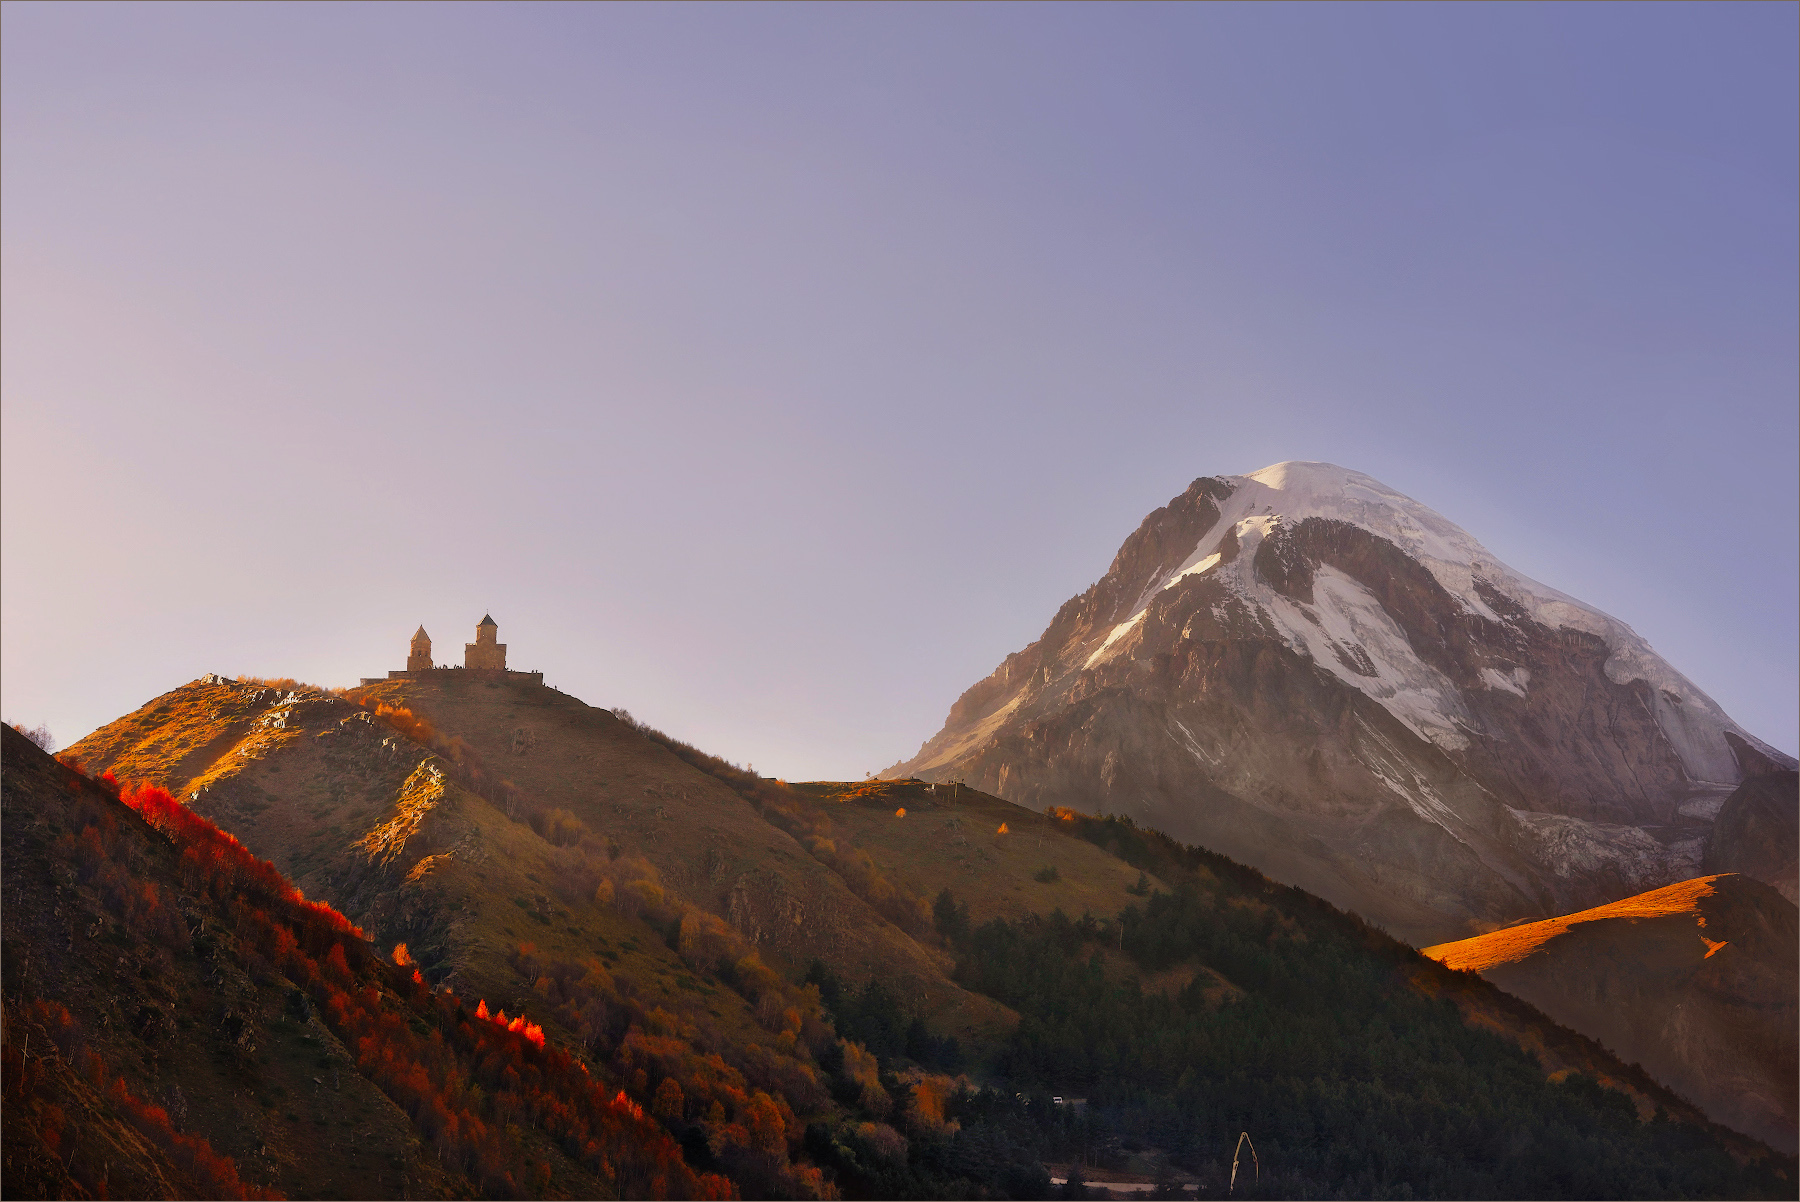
(1347, 632)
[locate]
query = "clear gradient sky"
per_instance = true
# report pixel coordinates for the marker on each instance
(774, 371)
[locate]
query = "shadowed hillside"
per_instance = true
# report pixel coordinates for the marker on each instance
(1696, 981)
(182, 1023)
(1758, 832)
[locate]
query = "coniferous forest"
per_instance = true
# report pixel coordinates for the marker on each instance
(1349, 1078)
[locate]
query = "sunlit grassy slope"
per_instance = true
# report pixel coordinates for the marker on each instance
(340, 803)
(1516, 943)
(950, 836)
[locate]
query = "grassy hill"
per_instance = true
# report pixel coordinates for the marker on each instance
(903, 975)
(479, 814)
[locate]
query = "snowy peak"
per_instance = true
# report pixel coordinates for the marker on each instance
(1296, 491)
(1346, 630)
(1309, 669)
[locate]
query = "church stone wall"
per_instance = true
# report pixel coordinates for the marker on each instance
(487, 656)
(455, 673)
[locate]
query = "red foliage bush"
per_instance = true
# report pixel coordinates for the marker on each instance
(407, 723)
(217, 1175)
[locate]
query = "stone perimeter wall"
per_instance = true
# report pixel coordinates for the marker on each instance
(536, 678)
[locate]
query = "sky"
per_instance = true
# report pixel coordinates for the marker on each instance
(774, 371)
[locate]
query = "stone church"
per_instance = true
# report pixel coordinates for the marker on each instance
(485, 656)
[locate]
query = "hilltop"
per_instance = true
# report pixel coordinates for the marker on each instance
(473, 814)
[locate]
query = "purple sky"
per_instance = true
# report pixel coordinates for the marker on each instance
(775, 371)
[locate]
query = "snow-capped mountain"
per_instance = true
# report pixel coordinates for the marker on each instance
(1315, 674)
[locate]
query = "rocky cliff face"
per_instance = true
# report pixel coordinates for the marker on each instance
(1310, 672)
(1757, 832)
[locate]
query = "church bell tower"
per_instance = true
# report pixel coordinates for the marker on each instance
(420, 658)
(484, 652)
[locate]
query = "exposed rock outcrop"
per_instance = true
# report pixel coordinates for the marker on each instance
(1757, 832)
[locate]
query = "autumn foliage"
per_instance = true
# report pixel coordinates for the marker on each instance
(469, 1080)
(215, 1175)
(286, 684)
(739, 1097)
(407, 723)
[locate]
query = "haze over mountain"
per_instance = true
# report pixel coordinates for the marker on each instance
(1310, 672)
(772, 370)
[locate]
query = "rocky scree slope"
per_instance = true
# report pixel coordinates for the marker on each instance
(1314, 674)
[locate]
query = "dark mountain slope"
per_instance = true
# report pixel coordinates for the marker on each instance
(1179, 989)
(1696, 981)
(1232, 1004)
(1757, 832)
